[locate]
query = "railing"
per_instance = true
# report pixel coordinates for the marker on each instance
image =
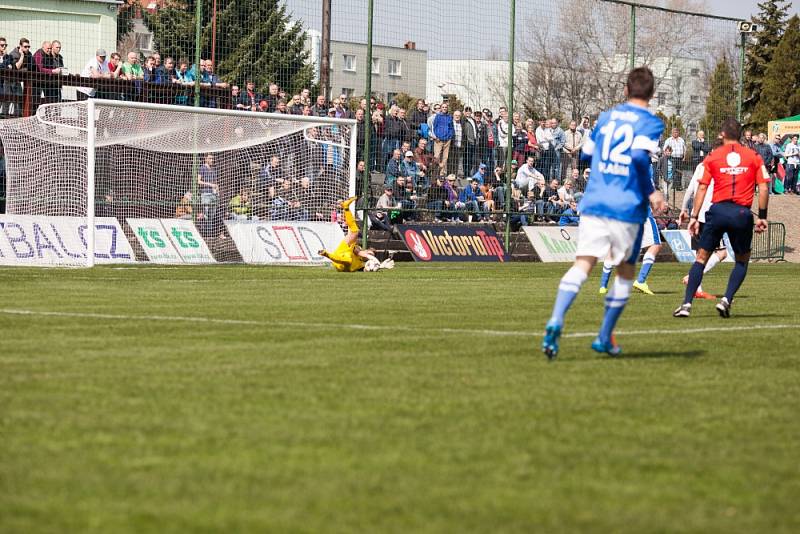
(27, 90)
(771, 244)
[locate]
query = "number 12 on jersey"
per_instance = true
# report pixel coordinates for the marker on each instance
(617, 142)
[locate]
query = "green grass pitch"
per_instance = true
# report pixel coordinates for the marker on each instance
(240, 398)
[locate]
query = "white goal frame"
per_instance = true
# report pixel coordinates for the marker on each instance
(91, 141)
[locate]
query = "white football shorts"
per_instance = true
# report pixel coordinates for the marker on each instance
(651, 234)
(610, 239)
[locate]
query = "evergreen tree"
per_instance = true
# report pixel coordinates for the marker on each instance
(780, 95)
(771, 21)
(719, 105)
(256, 40)
(670, 122)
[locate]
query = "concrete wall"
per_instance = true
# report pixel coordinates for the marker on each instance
(82, 26)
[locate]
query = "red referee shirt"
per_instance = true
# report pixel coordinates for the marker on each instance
(735, 170)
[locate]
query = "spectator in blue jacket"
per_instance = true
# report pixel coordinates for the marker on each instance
(410, 169)
(569, 217)
(442, 134)
(480, 175)
(472, 198)
(394, 168)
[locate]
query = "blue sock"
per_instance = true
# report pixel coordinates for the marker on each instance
(568, 289)
(695, 279)
(606, 275)
(615, 303)
(647, 264)
(735, 280)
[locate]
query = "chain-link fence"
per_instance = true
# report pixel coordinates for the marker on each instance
(392, 66)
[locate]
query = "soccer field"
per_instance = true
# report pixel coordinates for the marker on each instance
(257, 399)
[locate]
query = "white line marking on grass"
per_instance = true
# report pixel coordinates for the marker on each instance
(393, 328)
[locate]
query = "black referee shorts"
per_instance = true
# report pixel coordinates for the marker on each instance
(728, 217)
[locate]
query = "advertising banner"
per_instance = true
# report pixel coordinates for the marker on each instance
(553, 244)
(50, 240)
(187, 241)
(154, 241)
(453, 243)
(284, 241)
(681, 244)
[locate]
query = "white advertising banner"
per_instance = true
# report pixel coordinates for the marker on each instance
(50, 240)
(681, 244)
(283, 241)
(154, 241)
(187, 241)
(553, 243)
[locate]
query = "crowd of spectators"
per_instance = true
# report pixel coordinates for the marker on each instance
(435, 163)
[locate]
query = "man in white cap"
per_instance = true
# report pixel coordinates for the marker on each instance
(97, 67)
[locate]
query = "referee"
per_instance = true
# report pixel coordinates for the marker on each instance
(735, 171)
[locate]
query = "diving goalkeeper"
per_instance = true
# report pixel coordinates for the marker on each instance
(349, 257)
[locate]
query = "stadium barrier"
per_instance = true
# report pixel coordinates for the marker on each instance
(30, 83)
(771, 244)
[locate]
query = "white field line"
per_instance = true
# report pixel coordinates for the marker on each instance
(393, 328)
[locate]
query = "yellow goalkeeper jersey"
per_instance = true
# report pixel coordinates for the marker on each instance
(345, 259)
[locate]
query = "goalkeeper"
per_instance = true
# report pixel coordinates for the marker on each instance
(349, 257)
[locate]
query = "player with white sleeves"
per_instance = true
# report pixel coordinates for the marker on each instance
(613, 208)
(721, 253)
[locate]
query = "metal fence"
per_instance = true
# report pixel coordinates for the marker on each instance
(521, 79)
(771, 244)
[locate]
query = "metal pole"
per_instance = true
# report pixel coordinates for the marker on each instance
(325, 67)
(214, 33)
(90, 182)
(367, 130)
(633, 37)
(198, 14)
(741, 78)
(511, 56)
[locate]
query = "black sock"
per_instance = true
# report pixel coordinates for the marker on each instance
(735, 280)
(695, 279)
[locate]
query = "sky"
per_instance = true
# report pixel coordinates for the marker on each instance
(472, 29)
(742, 8)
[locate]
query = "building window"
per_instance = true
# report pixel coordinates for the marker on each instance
(662, 99)
(348, 92)
(376, 65)
(349, 63)
(144, 41)
(390, 97)
(695, 73)
(395, 68)
(695, 99)
(678, 110)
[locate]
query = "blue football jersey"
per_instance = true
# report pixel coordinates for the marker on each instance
(621, 179)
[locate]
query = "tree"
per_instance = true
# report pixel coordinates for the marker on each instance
(780, 93)
(125, 14)
(719, 104)
(771, 21)
(256, 40)
(673, 121)
(586, 72)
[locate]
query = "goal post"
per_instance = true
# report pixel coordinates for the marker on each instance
(232, 186)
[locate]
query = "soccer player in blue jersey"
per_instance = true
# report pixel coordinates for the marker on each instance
(652, 237)
(613, 208)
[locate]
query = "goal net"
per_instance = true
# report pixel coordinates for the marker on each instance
(172, 184)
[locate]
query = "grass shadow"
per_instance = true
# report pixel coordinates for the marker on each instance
(641, 355)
